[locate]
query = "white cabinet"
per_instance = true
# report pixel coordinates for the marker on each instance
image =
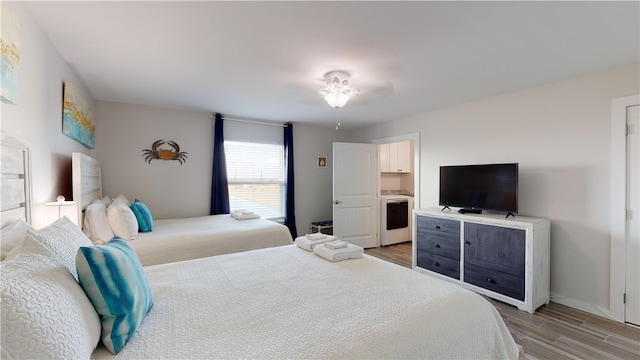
(395, 157)
(400, 157)
(505, 259)
(383, 155)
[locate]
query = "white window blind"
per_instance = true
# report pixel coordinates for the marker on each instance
(255, 173)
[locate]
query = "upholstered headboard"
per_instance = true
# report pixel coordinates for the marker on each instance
(15, 179)
(86, 180)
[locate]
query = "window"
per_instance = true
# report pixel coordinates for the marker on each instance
(255, 173)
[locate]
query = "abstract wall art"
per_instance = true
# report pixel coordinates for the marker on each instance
(10, 55)
(77, 117)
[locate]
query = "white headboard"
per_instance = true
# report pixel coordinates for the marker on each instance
(87, 181)
(15, 180)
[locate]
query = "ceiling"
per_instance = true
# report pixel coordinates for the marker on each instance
(266, 60)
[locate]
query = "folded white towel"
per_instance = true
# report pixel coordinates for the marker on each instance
(241, 216)
(308, 245)
(349, 252)
(316, 236)
(336, 244)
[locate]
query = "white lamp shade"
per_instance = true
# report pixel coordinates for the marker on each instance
(337, 98)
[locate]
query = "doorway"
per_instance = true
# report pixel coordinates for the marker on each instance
(625, 212)
(415, 137)
(399, 182)
(355, 221)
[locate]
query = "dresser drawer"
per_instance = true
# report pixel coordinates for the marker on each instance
(426, 224)
(440, 264)
(495, 247)
(505, 284)
(438, 245)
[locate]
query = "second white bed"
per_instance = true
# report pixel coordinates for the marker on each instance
(182, 239)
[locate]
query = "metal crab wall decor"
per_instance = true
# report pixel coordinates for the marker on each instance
(164, 154)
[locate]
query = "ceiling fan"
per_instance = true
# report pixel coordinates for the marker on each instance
(362, 89)
(342, 86)
(338, 90)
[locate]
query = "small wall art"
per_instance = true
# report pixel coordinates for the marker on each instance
(322, 161)
(77, 117)
(156, 152)
(10, 54)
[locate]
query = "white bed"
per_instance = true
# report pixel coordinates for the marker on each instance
(286, 302)
(204, 236)
(174, 240)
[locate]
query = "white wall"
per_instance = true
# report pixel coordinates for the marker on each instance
(560, 135)
(171, 190)
(168, 188)
(37, 117)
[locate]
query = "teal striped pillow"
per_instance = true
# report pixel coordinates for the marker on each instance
(143, 215)
(112, 277)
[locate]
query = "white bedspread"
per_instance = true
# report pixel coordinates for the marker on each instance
(285, 302)
(182, 239)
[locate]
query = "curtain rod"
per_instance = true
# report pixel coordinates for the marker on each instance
(247, 121)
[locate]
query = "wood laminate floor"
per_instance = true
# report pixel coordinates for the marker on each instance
(554, 331)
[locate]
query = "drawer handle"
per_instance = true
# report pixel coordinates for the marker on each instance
(490, 280)
(467, 242)
(435, 263)
(437, 226)
(437, 246)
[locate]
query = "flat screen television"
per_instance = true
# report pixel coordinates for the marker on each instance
(473, 188)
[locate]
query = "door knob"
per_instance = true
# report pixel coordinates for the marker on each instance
(337, 202)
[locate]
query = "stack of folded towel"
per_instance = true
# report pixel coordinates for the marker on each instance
(242, 214)
(338, 250)
(329, 247)
(309, 241)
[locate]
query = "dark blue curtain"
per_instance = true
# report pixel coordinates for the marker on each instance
(219, 184)
(289, 214)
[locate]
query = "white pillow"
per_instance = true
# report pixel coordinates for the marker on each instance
(123, 199)
(96, 223)
(122, 220)
(45, 312)
(12, 235)
(106, 200)
(63, 239)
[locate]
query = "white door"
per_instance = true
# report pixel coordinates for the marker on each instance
(632, 287)
(355, 193)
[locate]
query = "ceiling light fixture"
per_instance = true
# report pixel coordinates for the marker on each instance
(338, 91)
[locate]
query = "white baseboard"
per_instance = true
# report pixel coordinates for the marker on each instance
(583, 306)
